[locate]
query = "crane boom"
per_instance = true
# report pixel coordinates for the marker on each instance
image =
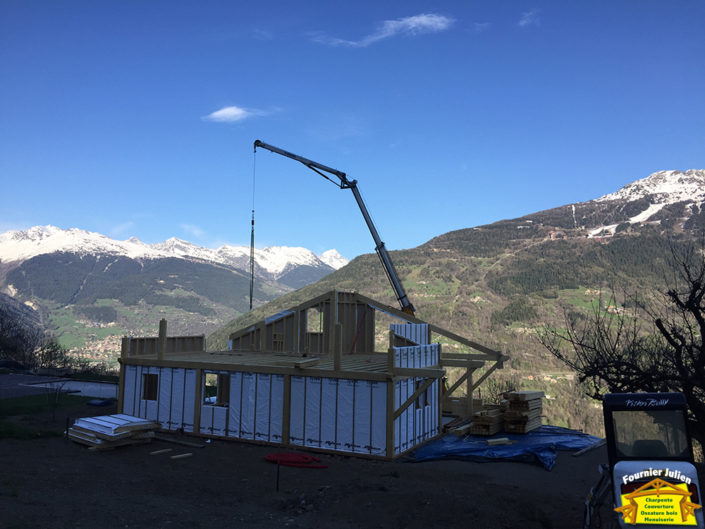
(381, 250)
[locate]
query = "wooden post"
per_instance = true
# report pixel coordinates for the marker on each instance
(286, 412)
(332, 320)
(124, 350)
(390, 419)
(390, 352)
(297, 331)
(121, 388)
(468, 385)
(161, 346)
(337, 329)
(197, 402)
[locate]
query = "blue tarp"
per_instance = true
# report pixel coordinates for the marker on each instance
(538, 446)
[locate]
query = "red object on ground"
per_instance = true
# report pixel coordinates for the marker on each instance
(294, 459)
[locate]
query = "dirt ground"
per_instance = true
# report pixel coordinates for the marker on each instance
(55, 483)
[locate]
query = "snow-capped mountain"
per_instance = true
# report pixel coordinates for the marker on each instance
(671, 197)
(664, 187)
(96, 279)
(333, 259)
(273, 262)
(23, 245)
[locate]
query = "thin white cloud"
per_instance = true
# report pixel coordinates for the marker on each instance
(193, 230)
(230, 114)
(529, 18)
(410, 26)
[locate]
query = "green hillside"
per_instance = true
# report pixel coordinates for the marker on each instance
(499, 284)
(89, 301)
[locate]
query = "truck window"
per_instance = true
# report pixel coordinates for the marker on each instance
(650, 434)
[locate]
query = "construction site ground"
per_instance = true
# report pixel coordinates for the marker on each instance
(51, 482)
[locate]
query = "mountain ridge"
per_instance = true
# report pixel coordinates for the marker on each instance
(20, 245)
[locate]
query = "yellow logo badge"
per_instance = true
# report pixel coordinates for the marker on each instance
(659, 502)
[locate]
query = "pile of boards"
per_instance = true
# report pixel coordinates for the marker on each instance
(487, 421)
(524, 411)
(519, 412)
(109, 431)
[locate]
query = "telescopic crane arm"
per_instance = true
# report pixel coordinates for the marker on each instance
(381, 250)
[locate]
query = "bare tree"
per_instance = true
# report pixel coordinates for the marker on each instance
(621, 353)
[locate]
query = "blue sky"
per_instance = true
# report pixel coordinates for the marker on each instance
(137, 118)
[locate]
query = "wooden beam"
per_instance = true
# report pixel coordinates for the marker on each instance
(386, 308)
(260, 368)
(457, 384)
(468, 356)
(464, 341)
(487, 373)
(306, 362)
(415, 395)
(470, 364)
(425, 372)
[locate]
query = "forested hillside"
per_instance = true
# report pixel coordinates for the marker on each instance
(500, 284)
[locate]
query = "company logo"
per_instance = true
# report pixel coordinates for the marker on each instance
(658, 502)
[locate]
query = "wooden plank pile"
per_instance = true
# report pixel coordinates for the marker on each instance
(524, 412)
(109, 431)
(487, 421)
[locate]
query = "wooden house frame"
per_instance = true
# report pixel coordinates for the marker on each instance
(283, 382)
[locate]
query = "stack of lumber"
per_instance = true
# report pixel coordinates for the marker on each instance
(108, 431)
(524, 412)
(458, 406)
(487, 421)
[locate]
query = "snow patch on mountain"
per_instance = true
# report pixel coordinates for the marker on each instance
(22, 245)
(333, 259)
(664, 187)
(647, 213)
(180, 248)
(274, 260)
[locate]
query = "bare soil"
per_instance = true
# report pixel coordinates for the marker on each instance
(55, 483)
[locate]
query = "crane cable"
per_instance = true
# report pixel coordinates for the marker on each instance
(252, 232)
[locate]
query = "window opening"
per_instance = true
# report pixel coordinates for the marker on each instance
(150, 386)
(216, 389)
(314, 320)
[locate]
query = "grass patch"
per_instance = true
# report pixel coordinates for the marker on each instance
(13, 410)
(38, 403)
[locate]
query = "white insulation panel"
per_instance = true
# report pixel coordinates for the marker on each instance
(419, 421)
(173, 408)
(417, 355)
(414, 332)
(338, 414)
(329, 413)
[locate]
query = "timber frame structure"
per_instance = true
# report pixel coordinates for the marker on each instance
(285, 382)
